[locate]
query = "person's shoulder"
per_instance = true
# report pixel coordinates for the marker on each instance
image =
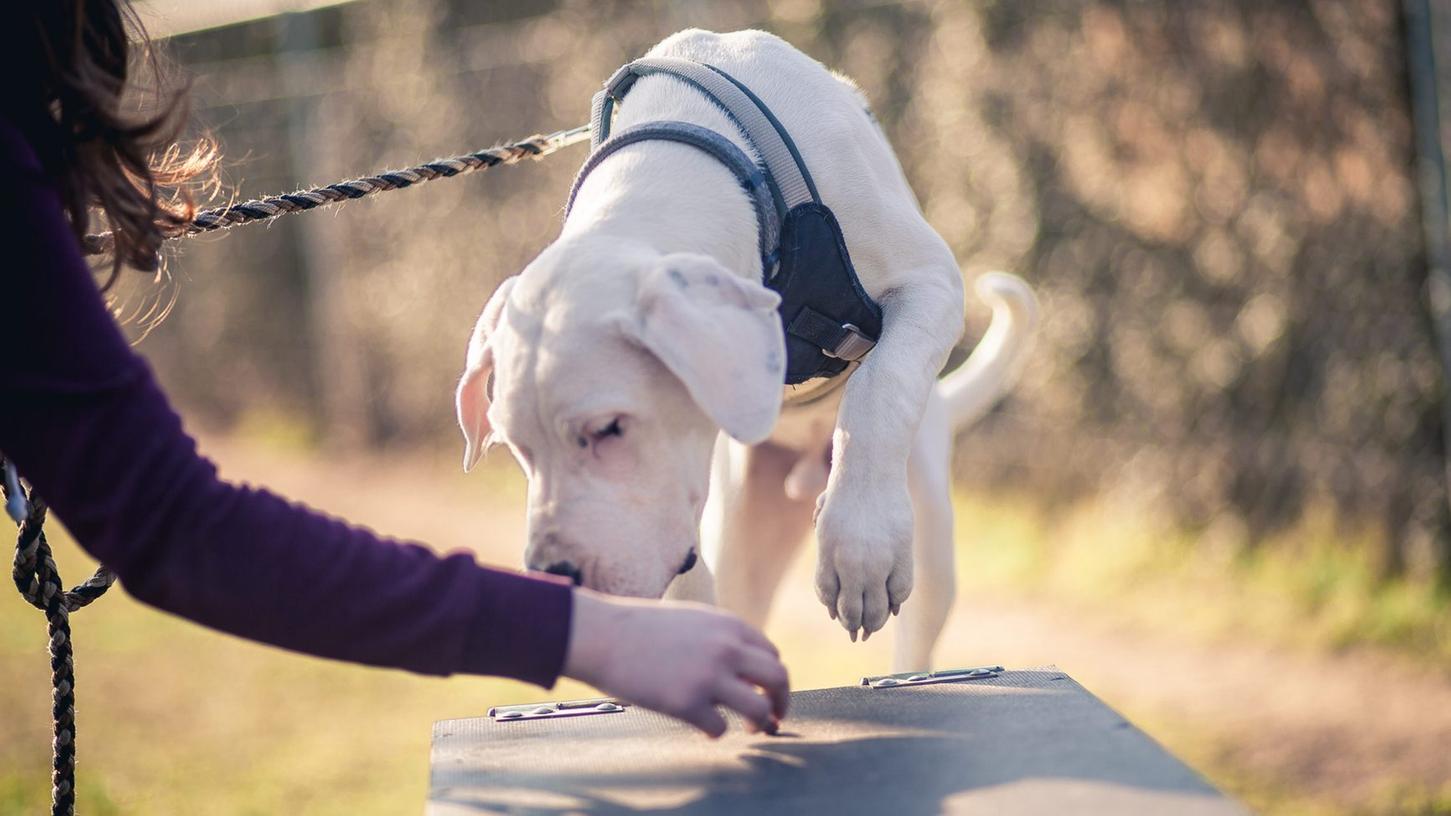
(24, 181)
(18, 155)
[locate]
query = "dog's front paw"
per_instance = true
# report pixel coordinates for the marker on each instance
(864, 557)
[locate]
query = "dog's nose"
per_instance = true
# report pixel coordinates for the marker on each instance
(568, 570)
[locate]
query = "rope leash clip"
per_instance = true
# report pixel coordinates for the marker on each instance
(16, 505)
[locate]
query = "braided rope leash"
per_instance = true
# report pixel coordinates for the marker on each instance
(266, 209)
(39, 582)
(36, 575)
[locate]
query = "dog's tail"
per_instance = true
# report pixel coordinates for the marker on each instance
(972, 389)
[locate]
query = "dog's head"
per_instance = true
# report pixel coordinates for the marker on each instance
(609, 385)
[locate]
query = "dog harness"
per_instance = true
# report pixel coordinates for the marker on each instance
(830, 322)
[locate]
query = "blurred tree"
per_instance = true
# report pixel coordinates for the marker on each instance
(1215, 201)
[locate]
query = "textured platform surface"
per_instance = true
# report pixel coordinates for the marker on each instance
(1029, 741)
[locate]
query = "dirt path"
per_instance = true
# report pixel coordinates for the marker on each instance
(1344, 730)
(1338, 728)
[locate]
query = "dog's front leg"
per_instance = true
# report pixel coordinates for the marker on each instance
(864, 519)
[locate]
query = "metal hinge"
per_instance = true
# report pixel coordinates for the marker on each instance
(607, 705)
(568, 708)
(928, 678)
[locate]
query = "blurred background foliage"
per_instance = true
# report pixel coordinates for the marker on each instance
(1215, 201)
(1217, 496)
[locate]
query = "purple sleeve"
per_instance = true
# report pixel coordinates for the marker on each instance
(84, 421)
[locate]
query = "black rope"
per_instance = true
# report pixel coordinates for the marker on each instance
(39, 582)
(265, 209)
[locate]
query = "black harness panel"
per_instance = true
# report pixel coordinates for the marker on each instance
(822, 301)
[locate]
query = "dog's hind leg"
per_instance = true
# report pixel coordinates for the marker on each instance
(929, 482)
(762, 530)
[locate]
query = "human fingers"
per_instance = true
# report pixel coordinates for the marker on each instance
(747, 701)
(767, 672)
(706, 718)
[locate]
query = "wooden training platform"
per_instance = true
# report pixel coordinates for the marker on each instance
(995, 742)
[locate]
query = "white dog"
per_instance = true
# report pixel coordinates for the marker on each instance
(612, 364)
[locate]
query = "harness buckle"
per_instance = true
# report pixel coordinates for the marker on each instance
(853, 345)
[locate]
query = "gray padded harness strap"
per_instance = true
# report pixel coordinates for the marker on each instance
(830, 321)
(787, 176)
(718, 147)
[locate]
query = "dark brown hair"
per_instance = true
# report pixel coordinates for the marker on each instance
(109, 141)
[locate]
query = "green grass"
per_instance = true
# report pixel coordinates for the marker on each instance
(176, 719)
(1311, 586)
(1416, 801)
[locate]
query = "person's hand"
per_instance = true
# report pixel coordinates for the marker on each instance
(680, 659)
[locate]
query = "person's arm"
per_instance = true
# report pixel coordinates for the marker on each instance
(84, 421)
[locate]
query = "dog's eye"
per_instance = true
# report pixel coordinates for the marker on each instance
(594, 434)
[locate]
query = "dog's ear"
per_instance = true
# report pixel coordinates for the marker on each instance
(720, 335)
(471, 400)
